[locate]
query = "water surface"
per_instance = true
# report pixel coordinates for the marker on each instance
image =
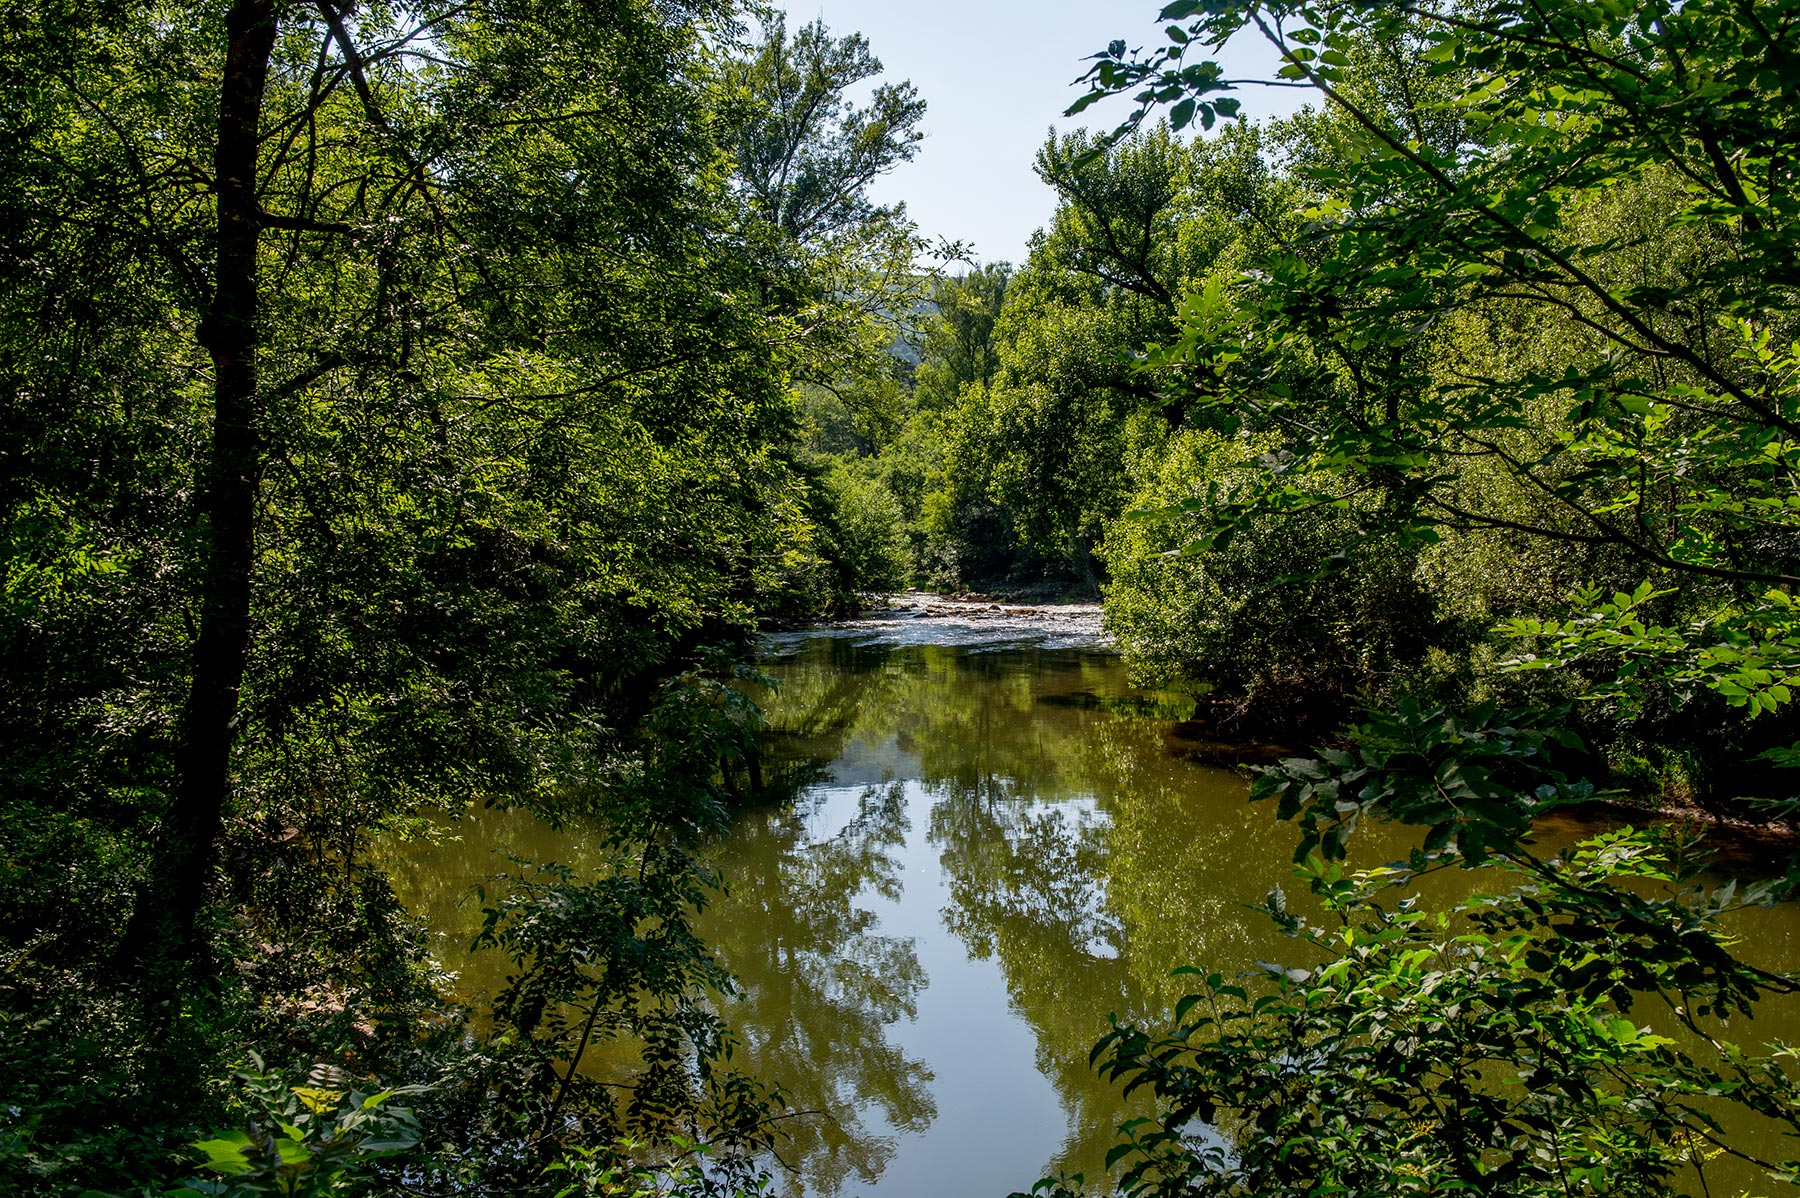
(976, 853)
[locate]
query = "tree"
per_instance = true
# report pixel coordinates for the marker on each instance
(486, 432)
(1491, 1048)
(805, 153)
(845, 270)
(1138, 222)
(351, 170)
(1572, 153)
(958, 348)
(1547, 299)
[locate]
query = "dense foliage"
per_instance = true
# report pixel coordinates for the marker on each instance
(1526, 325)
(1024, 415)
(1503, 422)
(409, 408)
(399, 415)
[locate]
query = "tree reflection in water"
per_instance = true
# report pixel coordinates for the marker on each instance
(820, 983)
(1028, 890)
(1052, 841)
(1079, 856)
(1088, 893)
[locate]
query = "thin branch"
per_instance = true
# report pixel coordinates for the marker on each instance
(1520, 238)
(300, 224)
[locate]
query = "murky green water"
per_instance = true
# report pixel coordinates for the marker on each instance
(989, 850)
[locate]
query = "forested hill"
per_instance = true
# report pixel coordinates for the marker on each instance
(410, 409)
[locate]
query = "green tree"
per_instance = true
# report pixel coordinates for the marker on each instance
(1571, 156)
(1282, 633)
(1049, 438)
(842, 268)
(805, 152)
(1548, 297)
(958, 349)
(394, 400)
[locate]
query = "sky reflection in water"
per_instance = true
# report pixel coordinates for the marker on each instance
(973, 854)
(1036, 842)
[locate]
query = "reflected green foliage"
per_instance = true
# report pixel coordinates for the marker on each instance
(1078, 856)
(1055, 822)
(819, 983)
(1033, 888)
(1047, 799)
(1496, 1048)
(1095, 897)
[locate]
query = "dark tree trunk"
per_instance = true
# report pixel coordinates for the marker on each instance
(162, 941)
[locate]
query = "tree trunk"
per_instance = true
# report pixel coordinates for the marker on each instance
(162, 940)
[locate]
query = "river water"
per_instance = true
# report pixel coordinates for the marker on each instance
(985, 844)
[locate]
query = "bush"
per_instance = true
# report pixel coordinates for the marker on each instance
(1285, 625)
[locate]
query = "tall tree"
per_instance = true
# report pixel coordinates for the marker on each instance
(1138, 222)
(805, 152)
(432, 360)
(958, 347)
(162, 929)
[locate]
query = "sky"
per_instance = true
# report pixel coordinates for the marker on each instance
(995, 76)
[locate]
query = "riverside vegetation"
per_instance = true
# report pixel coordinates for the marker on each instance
(416, 407)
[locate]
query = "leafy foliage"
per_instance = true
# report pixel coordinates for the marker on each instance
(1654, 430)
(397, 399)
(1537, 312)
(1487, 1048)
(805, 151)
(305, 1140)
(1283, 627)
(1476, 779)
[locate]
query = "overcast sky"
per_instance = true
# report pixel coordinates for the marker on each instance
(995, 75)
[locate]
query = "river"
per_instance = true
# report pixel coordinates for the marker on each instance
(985, 844)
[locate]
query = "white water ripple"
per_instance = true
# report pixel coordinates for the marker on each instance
(918, 618)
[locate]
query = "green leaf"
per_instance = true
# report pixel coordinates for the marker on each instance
(229, 1153)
